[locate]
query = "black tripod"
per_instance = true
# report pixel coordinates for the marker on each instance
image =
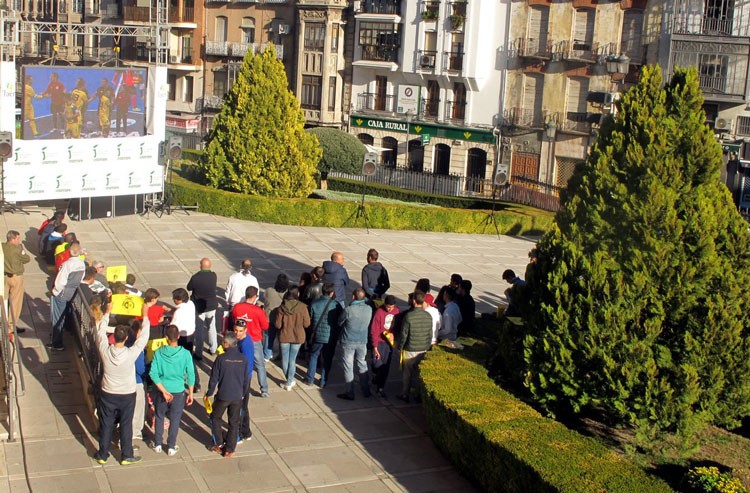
(491, 217)
(361, 211)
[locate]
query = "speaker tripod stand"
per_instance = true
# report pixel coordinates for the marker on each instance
(360, 212)
(491, 217)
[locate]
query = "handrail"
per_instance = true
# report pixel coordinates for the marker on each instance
(8, 356)
(86, 335)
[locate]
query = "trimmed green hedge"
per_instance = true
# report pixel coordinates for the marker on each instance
(329, 213)
(503, 444)
(389, 192)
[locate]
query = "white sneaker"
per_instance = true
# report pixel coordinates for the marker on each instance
(289, 387)
(173, 451)
(156, 448)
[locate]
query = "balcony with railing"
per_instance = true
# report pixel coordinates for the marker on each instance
(576, 122)
(455, 111)
(132, 13)
(378, 103)
(429, 110)
(426, 60)
(390, 7)
(279, 50)
(217, 48)
(522, 117)
(209, 102)
(380, 53)
(538, 48)
(453, 61)
(695, 23)
(430, 11)
(241, 49)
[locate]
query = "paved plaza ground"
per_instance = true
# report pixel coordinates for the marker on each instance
(304, 440)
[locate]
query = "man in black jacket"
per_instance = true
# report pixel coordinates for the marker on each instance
(230, 374)
(203, 294)
(375, 279)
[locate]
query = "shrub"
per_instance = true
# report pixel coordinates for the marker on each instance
(504, 445)
(711, 480)
(341, 151)
(329, 213)
(638, 302)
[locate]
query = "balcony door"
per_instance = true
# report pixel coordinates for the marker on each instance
(433, 99)
(583, 35)
(718, 17)
(221, 29)
(459, 101)
(381, 92)
(537, 32)
(533, 91)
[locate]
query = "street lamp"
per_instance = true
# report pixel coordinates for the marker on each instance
(618, 65)
(409, 115)
(551, 131)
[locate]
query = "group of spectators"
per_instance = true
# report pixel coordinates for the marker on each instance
(149, 362)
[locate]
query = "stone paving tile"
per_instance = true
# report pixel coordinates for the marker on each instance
(435, 481)
(163, 478)
(333, 465)
(297, 433)
(80, 481)
(372, 486)
(243, 474)
(49, 456)
(406, 454)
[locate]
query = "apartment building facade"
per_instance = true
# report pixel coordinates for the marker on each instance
(426, 83)
(234, 27)
(714, 37)
(567, 62)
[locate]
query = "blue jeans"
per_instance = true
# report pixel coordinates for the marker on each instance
(259, 365)
(207, 323)
(355, 353)
(325, 351)
(60, 311)
(268, 339)
(289, 352)
(172, 410)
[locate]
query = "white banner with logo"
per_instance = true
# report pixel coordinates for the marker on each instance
(58, 169)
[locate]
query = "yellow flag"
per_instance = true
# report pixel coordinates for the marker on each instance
(127, 304)
(117, 273)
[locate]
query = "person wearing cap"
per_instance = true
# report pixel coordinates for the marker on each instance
(247, 348)
(230, 380)
(382, 331)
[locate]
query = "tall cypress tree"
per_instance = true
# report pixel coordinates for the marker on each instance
(639, 303)
(257, 144)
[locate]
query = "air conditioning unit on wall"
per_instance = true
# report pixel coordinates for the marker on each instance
(723, 124)
(174, 59)
(283, 28)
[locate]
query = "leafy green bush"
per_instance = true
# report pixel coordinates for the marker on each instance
(504, 445)
(329, 213)
(711, 480)
(341, 151)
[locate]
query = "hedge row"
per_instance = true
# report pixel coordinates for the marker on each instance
(504, 445)
(389, 192)
(329, 213)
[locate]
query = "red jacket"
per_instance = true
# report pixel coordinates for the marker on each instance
(256, 318)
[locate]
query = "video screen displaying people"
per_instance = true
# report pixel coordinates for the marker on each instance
(83, 103)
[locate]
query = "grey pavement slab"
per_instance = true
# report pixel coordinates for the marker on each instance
(303, 440)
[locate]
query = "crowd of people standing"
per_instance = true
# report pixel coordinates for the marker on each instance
(150, 362)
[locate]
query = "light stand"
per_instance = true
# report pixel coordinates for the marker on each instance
(361, 211)
(498, 179)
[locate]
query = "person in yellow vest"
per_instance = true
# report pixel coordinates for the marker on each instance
(72, 118)
(105, 93)
(80, 97)
(29, 95)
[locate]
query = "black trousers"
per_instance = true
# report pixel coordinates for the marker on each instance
(113, 409)
(228, 439)
(189, 344)
(245, 415)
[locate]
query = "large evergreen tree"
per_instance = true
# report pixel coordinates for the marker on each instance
(258, 144)
(639, 302)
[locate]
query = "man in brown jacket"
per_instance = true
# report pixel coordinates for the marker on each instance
(292, 318)
(15, 257)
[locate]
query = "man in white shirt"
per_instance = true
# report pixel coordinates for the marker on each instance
(238, 284)
(451, 318)
(67, 281)
(184, 319)
(436, 320)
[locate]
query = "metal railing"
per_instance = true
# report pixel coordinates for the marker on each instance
(369, 101)
(380, 53)
(392, 7)
(519, 191)
(430, 109)
(534, 47)
(9, 353)
(455, 111)
(85, 330)
(219, 48)
(577, 121)
(241, 49)
(453, 61)
(522, 117)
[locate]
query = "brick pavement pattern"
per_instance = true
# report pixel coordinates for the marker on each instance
(304, 440)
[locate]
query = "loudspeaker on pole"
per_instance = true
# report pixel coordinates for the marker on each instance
(370, 163)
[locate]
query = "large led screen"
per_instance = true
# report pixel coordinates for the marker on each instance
(83, 103)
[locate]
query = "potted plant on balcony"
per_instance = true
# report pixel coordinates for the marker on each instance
(457, 21)
(430, 14)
